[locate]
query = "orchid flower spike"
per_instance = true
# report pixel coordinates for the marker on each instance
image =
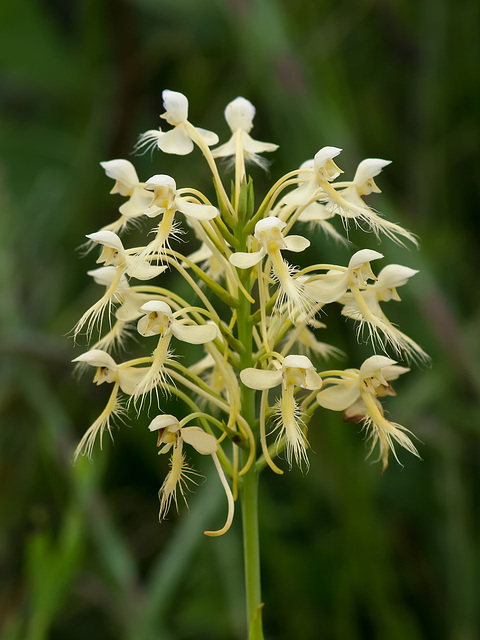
(295, 371)
(178, 140)
(239, 115)
(355, 392)
(251, 314)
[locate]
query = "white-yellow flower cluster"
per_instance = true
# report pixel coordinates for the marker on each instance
(251, 316)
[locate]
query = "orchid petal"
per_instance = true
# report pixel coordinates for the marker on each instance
(394, 275)
(108, 239)
(297, 361)
(255, 146)
(329, 288)
(316, 212)
(157, 305)
(362, 257)
(123, 172)
(210, 138)
(246, 260)
(325, 154)
(145, 271)
(106, 275)
(373, 364)
(175, 141)
(303, 194)
(296, 243)
(368, 169)
(176, 106)
(196, 211)
(312, 380)
(239, 114)
(260, 379)
(130, 377)
(339, 396)
(164, 421)
(203, 442)
(270, 222)
(137, 204)
(195, 334)
(162, 180)
(97, 358)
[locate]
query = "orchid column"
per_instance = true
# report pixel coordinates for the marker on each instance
(252, 314)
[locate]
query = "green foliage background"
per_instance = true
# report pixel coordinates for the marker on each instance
(348, 554)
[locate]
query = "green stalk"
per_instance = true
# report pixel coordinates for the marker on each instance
(249, 487)
(251, 548)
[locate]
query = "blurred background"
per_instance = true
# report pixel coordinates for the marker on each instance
(347, 553)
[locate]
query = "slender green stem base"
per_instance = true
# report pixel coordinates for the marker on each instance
(251, 546)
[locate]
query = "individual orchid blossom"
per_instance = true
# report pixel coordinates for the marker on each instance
(114, 254)
(295, 371)
(129, 299)
(355, 392)
(363, 181)
(250, 316)
(159, 319)
(172, 434)
(331, 286)
(180, 139)
(124, 377)
(109, 371)
(127, 184)
(345, 200)
(268, 233)
(167, 200)
(239, 115)
(314, 176)
(363, 304)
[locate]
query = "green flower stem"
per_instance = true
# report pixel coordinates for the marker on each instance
(249, 487)
(251, 546)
